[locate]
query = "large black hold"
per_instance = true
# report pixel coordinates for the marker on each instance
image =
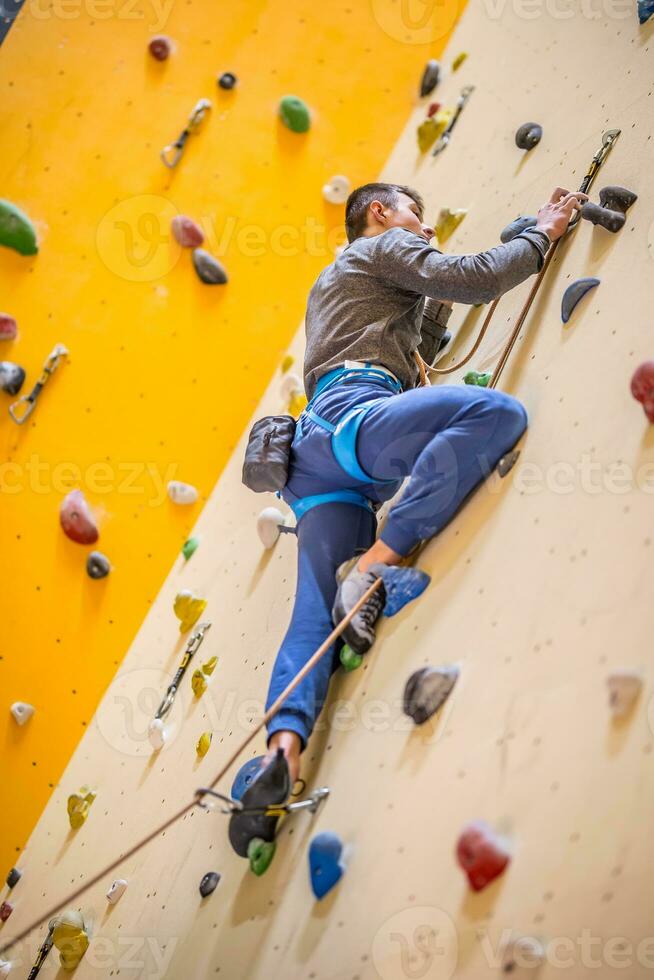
(271, 788)
(209, 883)
(430, 77)
(611, 212)
(12, 377)
(265, 467)
(426, 690)
(528, 135)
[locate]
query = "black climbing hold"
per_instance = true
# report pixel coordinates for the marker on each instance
(426, 690)
(528, 135)
(208, 269)
(430, 77)
(516, 227)
(14, 877)
(12, 377)
(209, 883)
(575, 292)
(97, 565)
(227, 80)
(611, 212)
(272, 786)
(507, 462)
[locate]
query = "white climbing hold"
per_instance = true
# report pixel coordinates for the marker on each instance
(22, 711)
(157, 733)
(291, 385)
(268, 523)
(337, 189)
(182, 493)
(624, 688)
(5, 968)
(116, 891)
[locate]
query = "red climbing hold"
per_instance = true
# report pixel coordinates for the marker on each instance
(642, 387)
(8, 327)
(482, 854)
(5, 911)
(160, 47)
(186, 232)
(77, 520)
(433, 109)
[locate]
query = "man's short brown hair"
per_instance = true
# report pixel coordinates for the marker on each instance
(356, 209)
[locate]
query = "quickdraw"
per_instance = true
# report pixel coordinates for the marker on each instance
(447, 135)
(21, 409)
(42, 954)
(192, 648)
(230, 806)
(172, 154)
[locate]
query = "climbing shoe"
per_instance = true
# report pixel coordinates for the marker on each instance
(359, 634)
(270, 788)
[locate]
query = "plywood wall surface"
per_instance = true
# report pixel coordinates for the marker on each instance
(540, 588)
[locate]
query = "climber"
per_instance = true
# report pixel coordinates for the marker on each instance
(386, 297)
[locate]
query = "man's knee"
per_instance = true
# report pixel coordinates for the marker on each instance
(511, 415)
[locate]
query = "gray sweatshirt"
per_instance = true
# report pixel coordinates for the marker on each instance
(380, 301)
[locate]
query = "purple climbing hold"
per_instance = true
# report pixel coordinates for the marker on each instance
(77, 520)
(516, 227)
(12, 377)
(576, 291)
(430, 77)
(209, 883)
(326, 867)
(160, 47)
(426, 690)
(209, 270)
(8, 327)
(402, 585)
(186, 232)
(528, 136)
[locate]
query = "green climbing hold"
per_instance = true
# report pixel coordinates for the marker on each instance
(16, 230)
(349, 659)
(260, 855)
(294, 113)
(190, 547)
(476, 378)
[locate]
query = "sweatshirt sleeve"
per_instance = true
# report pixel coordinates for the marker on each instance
(409, 262)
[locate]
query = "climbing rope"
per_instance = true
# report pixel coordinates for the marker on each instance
(268, 716)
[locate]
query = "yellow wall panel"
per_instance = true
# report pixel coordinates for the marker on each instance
(164, 372)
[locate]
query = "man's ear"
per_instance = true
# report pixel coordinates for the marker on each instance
(377, 212)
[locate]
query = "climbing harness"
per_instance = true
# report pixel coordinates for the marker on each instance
(608, 139)
(344, 434)
(192, 648)
(172, 154)
(447, 135)
(21, 409)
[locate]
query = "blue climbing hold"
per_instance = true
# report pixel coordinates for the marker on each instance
(325, 865)
(645, 10)
(402, 586)
(575, 291)
(246, 776)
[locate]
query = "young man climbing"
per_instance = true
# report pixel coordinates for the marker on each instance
(368, 426)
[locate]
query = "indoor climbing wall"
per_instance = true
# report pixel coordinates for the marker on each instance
(540, 594)
(163, 371)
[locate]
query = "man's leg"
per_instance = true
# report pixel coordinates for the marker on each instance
(327, 535)
(448, 439)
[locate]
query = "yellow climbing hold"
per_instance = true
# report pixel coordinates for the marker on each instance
(204, 742)
(458, 61)
(288, 362)
(431, 129)
(70, 937)
(210, 666)
(297, 404)
(198, 683)
(447, 223)
(188, 609)
(78, 806)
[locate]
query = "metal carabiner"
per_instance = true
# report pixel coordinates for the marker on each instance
(191, 648)
(29, 401)
(233, 806)
(608, 139)
(172, 154)
(466, 92)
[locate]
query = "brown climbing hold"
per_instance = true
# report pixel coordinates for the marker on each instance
(160, 47)
(77, 519)
(611, 212)
(5, 911)
(642, 387)
(186, 232)
(8, 327)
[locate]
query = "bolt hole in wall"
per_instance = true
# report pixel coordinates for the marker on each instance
(489, 826)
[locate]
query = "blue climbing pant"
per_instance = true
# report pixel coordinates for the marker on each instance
(445, 439)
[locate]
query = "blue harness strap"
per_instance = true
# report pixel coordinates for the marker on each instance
(303, 504)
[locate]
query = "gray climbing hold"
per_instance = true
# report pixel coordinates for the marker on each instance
(516, 227)
(14, 877)
(426, 690)
(12, 377)
(97, 565)
(209, 883)
(507, 462)
(576, 291)
(227, 80)
(430, 77)
(21, 712)
(528, 135)
(611, 212)
(209, 270)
